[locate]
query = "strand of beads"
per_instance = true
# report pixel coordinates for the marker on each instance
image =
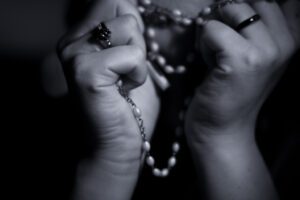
(162, 16)
(151, 161)
(146, 146)
(213, 8)
(157, 16)
(154, 15)
(154, 55)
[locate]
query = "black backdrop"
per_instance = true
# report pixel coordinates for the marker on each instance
(41, 144)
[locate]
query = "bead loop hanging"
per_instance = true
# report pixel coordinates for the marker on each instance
(146, 146)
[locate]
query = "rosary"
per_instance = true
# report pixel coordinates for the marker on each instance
(155, 16)
(159, 67)
(160, 70)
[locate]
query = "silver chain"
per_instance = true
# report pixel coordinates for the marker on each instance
(146, 146)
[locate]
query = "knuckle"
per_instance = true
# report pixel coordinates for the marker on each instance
(139, 55)
(91, 83)
(140, 63)
(130, 21)
(87, 75)
(79, 70)
(271, 54)
(252, 58)
(87, 81)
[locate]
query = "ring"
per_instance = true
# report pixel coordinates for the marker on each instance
(247, 22)
(102, 35)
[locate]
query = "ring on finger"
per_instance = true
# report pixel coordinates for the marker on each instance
(247, 22)
(102, 34)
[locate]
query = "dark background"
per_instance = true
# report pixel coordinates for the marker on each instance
(40, 145)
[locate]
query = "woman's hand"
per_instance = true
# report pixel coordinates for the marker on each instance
(245, 66)
(92, 73)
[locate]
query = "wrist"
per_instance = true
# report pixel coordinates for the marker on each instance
(121, 157)
(199, 135)
(106, 172)
(224, 162)
(125, 167)
(114, 153)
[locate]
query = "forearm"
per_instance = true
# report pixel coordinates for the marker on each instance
(106, 177)
(232, 168)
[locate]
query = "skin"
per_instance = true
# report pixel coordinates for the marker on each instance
(220, 122)
(115, 164)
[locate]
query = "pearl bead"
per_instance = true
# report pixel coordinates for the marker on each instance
(137, 112)
(206, 11)
(141, 9)
(156, 172)
(150, 161)
(161, 60)
(151, 32)
(177, 12)
(165, 172)
(146, 2)
(176, 147)
(154, 46)
(146, 146)
(181, 69)
(187, 21)
(169, 69)
(162, 18)
(172, 162)
(200, 21)
(120, 83)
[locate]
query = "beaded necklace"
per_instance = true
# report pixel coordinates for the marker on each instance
(154, 15)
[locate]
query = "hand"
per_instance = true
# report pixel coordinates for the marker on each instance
(92, 73)
(245, 66)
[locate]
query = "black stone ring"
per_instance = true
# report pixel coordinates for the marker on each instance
(247, 22)
(102, 35)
